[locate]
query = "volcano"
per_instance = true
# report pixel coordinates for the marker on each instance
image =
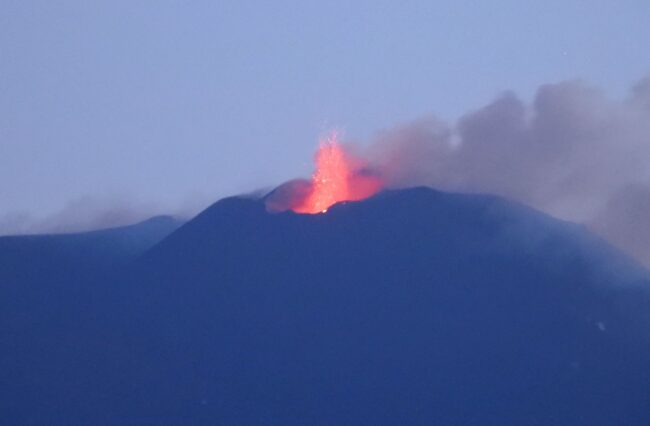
(411, 307)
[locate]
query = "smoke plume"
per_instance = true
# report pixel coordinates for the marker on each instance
(573, 152)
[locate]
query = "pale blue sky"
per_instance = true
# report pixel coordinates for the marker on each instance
(165, 100)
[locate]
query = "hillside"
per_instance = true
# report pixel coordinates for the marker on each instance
(410, 307)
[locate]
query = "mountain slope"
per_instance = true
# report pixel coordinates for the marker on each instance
(411, 307)
(46, 310)
(106, 247)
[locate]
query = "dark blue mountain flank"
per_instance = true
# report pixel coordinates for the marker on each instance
(45, 296)
(38, 270)
(23, 256)
(411, 307)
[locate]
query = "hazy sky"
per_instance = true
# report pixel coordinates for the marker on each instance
(168, 102)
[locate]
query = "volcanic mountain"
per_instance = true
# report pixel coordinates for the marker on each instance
(409, 307)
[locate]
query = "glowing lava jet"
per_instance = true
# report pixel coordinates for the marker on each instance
(338, 177)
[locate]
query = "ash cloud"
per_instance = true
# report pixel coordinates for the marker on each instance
(572, 152)
(625, 219)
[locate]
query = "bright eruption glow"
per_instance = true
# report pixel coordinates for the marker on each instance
(338, 177)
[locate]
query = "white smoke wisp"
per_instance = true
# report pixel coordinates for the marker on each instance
(94, 212)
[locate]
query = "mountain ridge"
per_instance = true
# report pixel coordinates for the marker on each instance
(513, 214)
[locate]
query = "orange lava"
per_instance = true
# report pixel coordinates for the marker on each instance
(337, 178)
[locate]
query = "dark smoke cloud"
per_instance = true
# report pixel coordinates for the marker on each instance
(573, 152)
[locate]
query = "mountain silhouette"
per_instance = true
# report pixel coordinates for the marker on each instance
(47, 283)
(411, 307)
(20, 255)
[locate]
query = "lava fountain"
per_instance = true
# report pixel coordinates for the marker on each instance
(339, 176)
